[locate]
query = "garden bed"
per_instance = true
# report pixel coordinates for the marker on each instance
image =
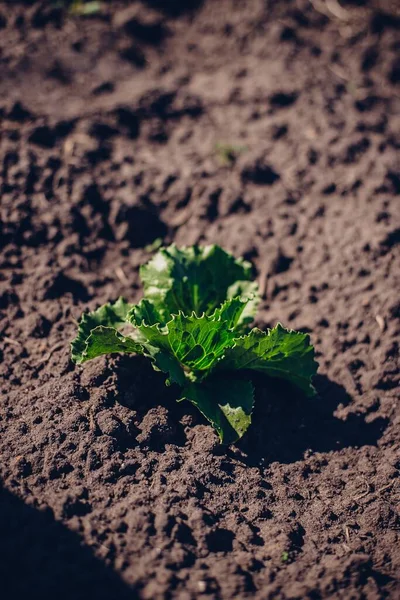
(272, 129)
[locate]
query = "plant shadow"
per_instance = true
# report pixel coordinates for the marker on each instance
(286, 423)
(41, 558)
(140, 387)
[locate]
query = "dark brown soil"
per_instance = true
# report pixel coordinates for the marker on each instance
(272, 128)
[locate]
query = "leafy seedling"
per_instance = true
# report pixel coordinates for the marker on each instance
(285, 556)
(194, 324)
(154, 246)
(79, 8)
(228, 153)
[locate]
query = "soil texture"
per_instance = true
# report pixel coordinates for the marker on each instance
(273, 129)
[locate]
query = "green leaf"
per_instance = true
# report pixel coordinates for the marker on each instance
(231, 311)
(107, 340)
(144, 313)
(199, 342)
(82, 9)
(279, 353)
(155, 340)
(227, 404)
(194, 343)
(108, 315)
(194, 279)
(167, 363)
(249, 290)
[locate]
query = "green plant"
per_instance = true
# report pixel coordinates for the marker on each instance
(228, 153)
(285, 556)
(79, 8)
(193, 323)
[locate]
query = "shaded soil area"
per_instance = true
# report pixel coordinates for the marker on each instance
(271, 128)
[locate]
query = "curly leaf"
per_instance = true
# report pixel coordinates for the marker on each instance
(194, 343)
(198, 342)
(106, 340)
(249, 290)
(194, 279)
(155, 341)
(227, 404)
(108, 315)
(167, 363)
(232, 312)
(144, 313)
(278, 353)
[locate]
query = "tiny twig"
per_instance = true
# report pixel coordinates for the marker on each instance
(376, 493)
(367, 491)
(381, 322)
(263, 281)
(11, 341)
(339, 73)
(338, 11)
(330, 8)
(49, 354)
(347, 534)
(73, 320)
(92, 422)
(385, 487)
(121, 276)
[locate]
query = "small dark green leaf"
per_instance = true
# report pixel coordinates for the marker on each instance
(108, 315)
(106, 340)
(167, 363)
(249, 290)
(155, 341)
(226, 403)
(144, 313)
(231, 311)
(83, 9)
